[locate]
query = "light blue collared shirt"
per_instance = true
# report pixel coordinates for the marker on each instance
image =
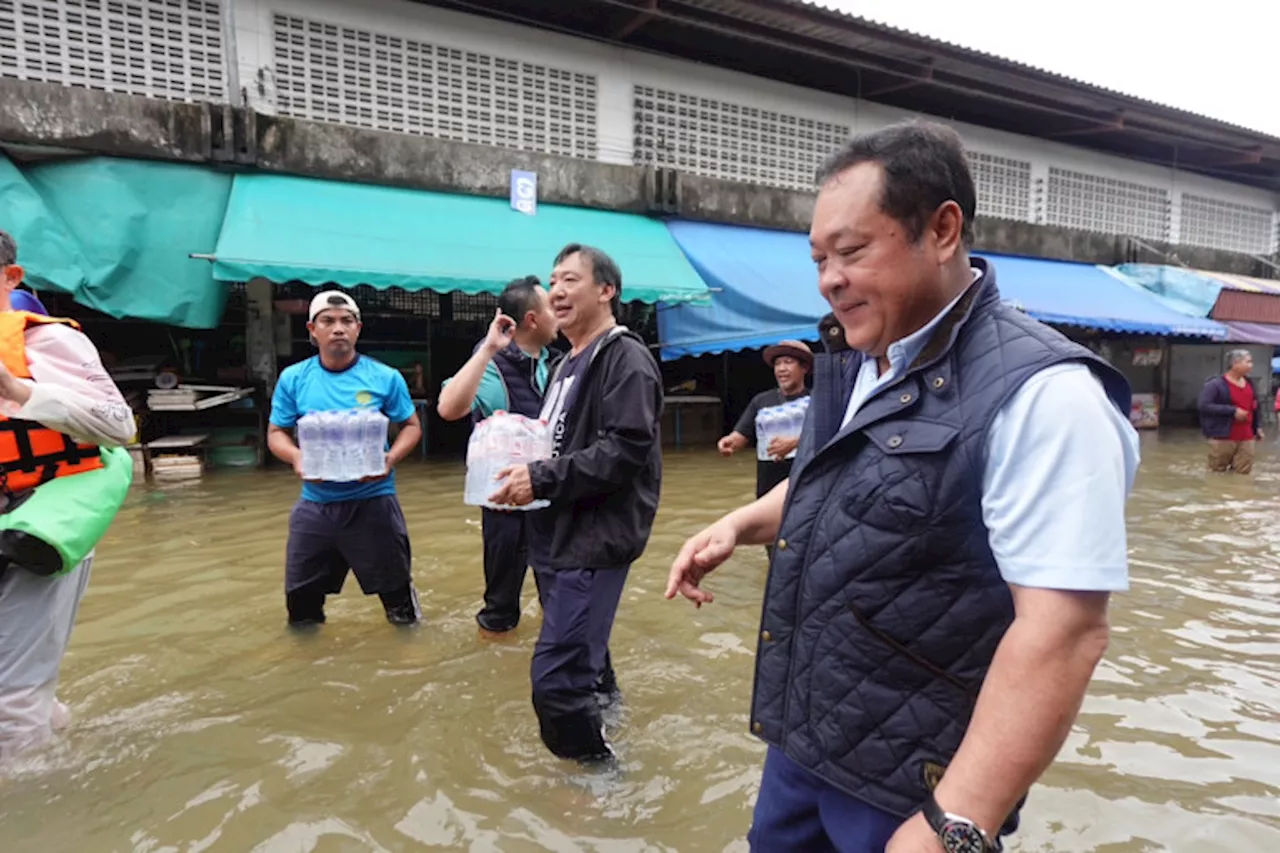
(1060, 463)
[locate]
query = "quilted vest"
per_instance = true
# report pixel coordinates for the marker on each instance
(884, 604)
(516, 368)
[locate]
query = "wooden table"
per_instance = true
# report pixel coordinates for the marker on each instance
(677, 403)
(195, 443)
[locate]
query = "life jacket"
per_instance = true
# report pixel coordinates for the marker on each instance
(31, 454)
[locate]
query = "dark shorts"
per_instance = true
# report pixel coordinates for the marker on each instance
(770, 474)
(367, 537)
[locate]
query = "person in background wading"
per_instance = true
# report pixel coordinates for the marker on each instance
(791, 362)
(507, 371)
(336, 528)
(603, 481)
(1230, 416)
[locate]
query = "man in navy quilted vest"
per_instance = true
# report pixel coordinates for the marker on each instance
(507, 371)
(948, 538)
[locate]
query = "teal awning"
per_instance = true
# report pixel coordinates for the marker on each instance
(326, 232)
(117, 235)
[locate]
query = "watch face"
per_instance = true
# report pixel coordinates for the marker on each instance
(958, 837)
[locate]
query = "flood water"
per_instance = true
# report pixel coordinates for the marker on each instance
(202, 724)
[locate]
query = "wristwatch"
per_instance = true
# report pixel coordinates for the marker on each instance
(957, 834)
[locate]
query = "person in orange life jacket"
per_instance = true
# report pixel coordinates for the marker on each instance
(791, 362)
(1230, 415)
(948, 539)
(603, 480)
(341, 527)
(507, 372)
(68, 395)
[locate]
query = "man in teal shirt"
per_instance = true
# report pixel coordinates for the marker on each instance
(507, 372)
(338, 527)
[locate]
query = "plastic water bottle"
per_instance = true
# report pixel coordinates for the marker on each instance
(766, 429)
(793, 424)
(471, 487)
(331, 455)
(544, 445)
(320, 447)
(342, 452)
(374, 438)
(309, 439)
(479, 465)
(349, 448)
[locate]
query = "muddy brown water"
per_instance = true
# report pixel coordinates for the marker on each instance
(201, 724)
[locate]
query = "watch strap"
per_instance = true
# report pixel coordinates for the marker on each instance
(934, 814)
(937, 818)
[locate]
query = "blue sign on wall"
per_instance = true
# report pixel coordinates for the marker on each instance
(524, 191)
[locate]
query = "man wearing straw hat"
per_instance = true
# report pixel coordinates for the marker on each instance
(791, 362)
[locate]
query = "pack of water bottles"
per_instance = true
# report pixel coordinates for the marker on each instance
(785, 421)
(498, 442)
(343, 446)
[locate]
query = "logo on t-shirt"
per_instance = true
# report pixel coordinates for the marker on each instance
(554, 412)
(363, 398)
(563, 395)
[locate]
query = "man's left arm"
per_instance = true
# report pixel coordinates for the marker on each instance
(629, 411)
(70, 392)
(400, 410)
(1060, 463)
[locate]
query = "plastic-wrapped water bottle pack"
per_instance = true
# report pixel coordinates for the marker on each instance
(498, 442)
(341, 447)
(784, 421)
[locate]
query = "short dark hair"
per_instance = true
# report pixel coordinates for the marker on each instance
(603, 269)
(924, 167)
(8, 249)
(519, 297)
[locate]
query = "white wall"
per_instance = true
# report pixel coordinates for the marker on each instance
(617, 70)
(56, 51)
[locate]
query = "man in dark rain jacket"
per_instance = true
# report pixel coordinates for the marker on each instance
(604, 406)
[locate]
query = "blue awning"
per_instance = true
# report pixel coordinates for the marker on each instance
(1092, 297)
(767, 291)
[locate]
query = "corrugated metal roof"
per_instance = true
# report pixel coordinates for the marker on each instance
(1246, 306)
(837, 31)
(1243, 282)
(1013, 63)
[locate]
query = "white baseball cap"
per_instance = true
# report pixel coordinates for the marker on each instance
(332, 299)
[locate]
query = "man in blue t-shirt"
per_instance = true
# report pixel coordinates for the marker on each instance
(507, 372)
(355, 526)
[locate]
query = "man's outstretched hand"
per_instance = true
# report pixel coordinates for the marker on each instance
(698, 558)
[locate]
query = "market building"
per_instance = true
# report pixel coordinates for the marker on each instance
(182, 174)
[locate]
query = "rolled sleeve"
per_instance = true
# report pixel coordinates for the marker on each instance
(1060, 463)
(398, 405)
(491, 396)
(284, 406)
(746, 425)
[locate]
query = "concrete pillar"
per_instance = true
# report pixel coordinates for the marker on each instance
(1038, 214)
(260, 335)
